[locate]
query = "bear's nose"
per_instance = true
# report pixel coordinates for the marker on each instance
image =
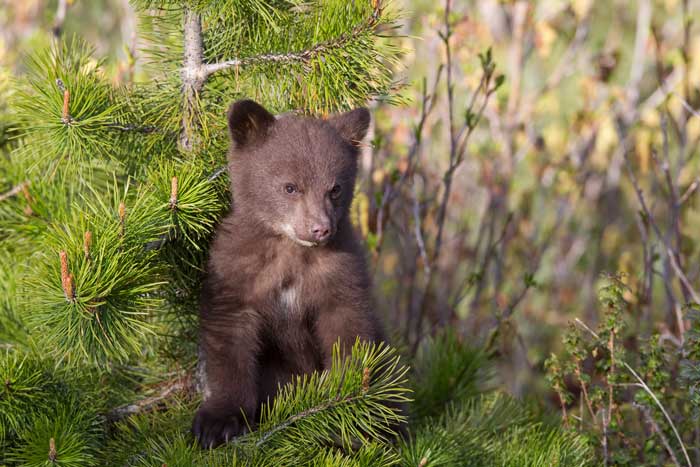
(320, 232)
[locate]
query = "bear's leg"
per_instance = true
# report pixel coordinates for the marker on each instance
(230, 346)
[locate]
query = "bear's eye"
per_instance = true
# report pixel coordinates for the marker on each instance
(290, 188)
(335, 192)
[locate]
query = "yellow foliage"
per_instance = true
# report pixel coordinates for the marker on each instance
(378, 176)
(545, 35)
(670, 4)
(589, 88)
(548, 104)
(629, 296)
(521, 139)
(642, 142)
(691, 223)
(566, 183)
(389, 262)
(693, 128)
(581, 7)
(650, 118)
(626, 264)
(694, 62)
(610, 241)
(555, 138)
(675, 106)
(604, 144)
(359, 213)
(687, 175)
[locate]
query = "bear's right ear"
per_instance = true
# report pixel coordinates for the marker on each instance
(248, 122)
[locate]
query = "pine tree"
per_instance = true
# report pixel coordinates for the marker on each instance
(110, 194)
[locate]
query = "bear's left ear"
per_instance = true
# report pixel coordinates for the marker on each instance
(248, 122)
(352, 125)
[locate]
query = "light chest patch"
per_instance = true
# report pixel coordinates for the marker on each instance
(290, 299)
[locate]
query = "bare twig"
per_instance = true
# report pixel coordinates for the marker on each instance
(488, 254)
(689, 192)
(515, 60)
(193, 77)
(150, 403)
(457, 152)
(418, 231)
(646, 413)
(458, 142)
(391, 191)
(584, 389)
(647, 212)
(648, 390)
(15, 190)
(217, 173)
(641, 38)
(546, 242)
(604, 439)
(60, 18)
(609, 378)
(446, 36)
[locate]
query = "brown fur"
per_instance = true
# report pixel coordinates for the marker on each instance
(271, 307)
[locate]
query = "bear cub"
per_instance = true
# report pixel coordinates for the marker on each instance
(286, 277)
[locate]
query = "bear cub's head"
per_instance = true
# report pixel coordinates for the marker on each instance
(292, 175)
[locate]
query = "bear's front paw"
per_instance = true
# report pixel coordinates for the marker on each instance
(213, 427)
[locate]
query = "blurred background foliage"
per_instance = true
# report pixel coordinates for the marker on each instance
(503, 186)
(595, 94)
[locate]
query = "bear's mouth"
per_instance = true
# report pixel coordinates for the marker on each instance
(305, 243)
(288, 231)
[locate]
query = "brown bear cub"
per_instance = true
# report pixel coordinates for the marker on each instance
(286, 277)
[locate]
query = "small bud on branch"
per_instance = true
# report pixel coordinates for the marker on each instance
(365, 380)
(87, 242)
(66, 278)
(52, 450)
(173, 193)
(66, 102)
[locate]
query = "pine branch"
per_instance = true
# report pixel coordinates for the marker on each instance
(195, 73)
(329, 405)
(145, 129)
(303, 56)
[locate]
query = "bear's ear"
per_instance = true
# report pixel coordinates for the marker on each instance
(248, 122)
(352, 125)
